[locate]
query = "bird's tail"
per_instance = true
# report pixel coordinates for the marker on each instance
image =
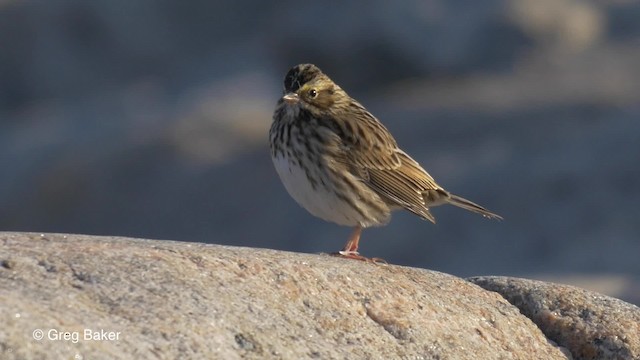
(471, 206)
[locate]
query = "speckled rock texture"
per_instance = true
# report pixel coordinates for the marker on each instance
(590, 325)
(147, 299)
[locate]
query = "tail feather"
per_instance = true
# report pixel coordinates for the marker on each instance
(471, 206)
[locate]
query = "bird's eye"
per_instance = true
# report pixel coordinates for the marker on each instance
(313, 93)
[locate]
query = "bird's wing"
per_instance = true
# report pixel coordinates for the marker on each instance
(373, 156)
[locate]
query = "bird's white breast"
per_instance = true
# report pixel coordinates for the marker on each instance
(320, 200)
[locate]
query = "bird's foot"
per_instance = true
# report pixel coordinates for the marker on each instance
(356, 256)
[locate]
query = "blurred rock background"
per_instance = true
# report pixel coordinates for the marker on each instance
(150, 119)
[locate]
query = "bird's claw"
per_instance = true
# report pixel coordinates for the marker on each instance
(356, 256)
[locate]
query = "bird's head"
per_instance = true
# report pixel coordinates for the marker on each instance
(307, 86)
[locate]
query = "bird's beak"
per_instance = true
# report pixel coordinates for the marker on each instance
(291, 98)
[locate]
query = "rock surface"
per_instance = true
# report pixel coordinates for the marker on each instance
(163, 299)
(590, 325)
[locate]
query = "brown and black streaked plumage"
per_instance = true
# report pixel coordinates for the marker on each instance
(341, 164)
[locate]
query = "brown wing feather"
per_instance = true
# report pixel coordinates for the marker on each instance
(404, 185)
(374, 156)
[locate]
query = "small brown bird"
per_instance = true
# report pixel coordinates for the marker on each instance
(342, 165)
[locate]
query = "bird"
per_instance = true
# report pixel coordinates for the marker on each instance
(341, 164)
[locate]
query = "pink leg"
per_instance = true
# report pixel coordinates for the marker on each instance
(352, 244)
(350, 249)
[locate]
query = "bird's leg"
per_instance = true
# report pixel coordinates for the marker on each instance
(350, 249)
